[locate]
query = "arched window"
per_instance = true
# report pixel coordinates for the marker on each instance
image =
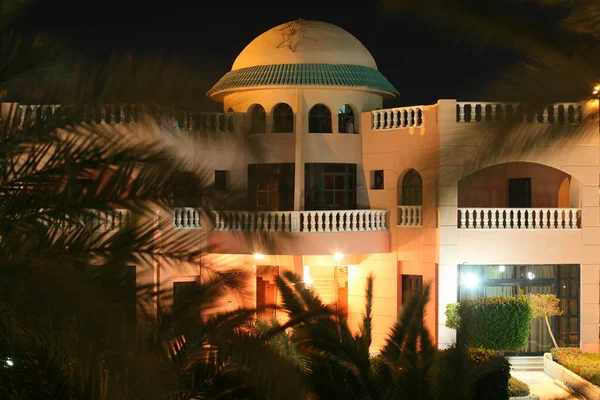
(319, 119)
(346, 120)
(283, 118)
(258, 119)
(230, 110)
(412, 189)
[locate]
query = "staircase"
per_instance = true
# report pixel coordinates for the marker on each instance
(527, 363)
(326, 289)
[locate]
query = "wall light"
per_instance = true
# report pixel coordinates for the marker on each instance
(501, 268)
(259, 256)
(530, 275)
(470, 280)
(307, 279)
(337, 256)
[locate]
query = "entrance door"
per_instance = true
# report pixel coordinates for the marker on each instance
(539, 339)
(519, 193)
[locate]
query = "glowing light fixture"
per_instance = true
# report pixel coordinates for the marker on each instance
(337, 256)
(501, 268)
(470, 280)
(259, 256)
(9, 362)
(530, 275)
(596, 89)
(307, 279)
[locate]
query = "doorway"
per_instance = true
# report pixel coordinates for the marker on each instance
(519, 193)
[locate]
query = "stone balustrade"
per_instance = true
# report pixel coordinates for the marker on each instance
(409, 216)
(559, 113)
(107, 114)
(397, 118)
(205, 122)
(98, 221)
(519, 218)
(301, 221)
(186, 218)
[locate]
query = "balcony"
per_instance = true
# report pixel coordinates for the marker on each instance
(98, 220)
(303, 232)
(519, 218)
(410, 216)
(301, 221)
(186, 218)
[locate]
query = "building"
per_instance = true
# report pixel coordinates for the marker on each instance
(476, 198)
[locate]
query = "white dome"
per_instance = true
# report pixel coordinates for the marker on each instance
(305, 42)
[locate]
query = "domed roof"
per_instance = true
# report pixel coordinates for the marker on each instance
(304, 53)
(305, 42)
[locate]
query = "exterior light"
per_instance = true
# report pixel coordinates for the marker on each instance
(337, 256)
(9, 362)
(501, 268)
(307, 279)
(259, 256)
(530, 275)
(470, 280)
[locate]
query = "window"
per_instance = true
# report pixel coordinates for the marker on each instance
(377, 179)
(330, 186)
(519, 193)
(258, 119)
(319, 119)
(283, 119)
(185, 190)
(221, 180)
(411, 285)
(346, 120)
(185, 307)
(271, 187)
(412, 189)
(230, 110)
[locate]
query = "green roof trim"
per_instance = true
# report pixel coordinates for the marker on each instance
(304, 74)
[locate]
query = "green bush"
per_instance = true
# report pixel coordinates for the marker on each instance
(489, 372)
(452, 319)
(517, 388)
(496, 323)
(586, 365)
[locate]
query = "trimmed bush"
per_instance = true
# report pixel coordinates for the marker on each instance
(517, 388)
(586, 365)
(495, 323)
(452, 319)
(488, 372)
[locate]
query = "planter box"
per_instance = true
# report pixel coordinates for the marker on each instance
(530, 397)
(570, 379)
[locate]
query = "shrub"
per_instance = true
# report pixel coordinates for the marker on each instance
(496, 323)
(586, 365)
(517, 388)
(489, 372)
(452, 318)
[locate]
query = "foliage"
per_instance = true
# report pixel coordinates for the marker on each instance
(586, 365)
(517, 388)
(485, 374)
(452, 316)
(496, 323)
(544, 305)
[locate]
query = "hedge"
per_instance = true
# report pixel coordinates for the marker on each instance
(495, 323)
(586, 365)
(517, 388)
(488, 372)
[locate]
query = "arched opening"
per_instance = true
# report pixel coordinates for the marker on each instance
(258, 119)
(230, 110)
(283, 118)
(346, 120)
(319, 119)
(185, 190)
(412, 189)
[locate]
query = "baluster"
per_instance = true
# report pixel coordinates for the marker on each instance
(463, 218)
(492, 113)
(461, 112)
(555, 113)
(542, 219)
(553, 219)
(326, 222)
(476, 219)
(545, 115)
(569, 218)
(360, 221)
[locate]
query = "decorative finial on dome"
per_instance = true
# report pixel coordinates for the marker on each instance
(293, 34)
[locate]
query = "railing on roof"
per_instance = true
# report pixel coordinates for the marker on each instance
(205, 121)
(559, 113)
(107, 114)
(397, 118)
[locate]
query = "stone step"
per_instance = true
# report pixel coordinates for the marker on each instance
(527, 363)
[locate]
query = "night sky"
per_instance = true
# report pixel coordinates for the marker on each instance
(421, 61)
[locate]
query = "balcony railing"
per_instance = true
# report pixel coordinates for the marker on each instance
(519, 218)
(106, 114)
(409, 216)
(301, 221)
(396, 118)
(99, 220)
(186, 218)
(559, 113)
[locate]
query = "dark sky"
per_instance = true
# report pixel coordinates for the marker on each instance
(421, 61)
